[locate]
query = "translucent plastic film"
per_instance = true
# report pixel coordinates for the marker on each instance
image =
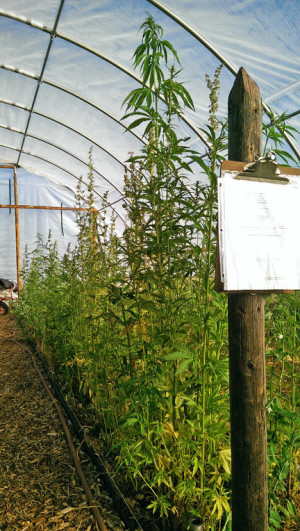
(66, 67)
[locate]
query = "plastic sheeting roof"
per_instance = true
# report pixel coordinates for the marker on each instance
(65, 69)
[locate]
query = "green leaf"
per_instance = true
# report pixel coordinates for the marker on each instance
(149, 98)
(130, 421)
(178, 355)
(167, 44)
(136, 123)
(291, 508)
(146, 68)
(138, 59)
(140, 50)
(275, 519)
(284, 471)
(201, 163)
(132, 97)
(225, 456)
(183, 366)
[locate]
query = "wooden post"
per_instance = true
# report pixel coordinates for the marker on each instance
(246, 342)
(17, 228)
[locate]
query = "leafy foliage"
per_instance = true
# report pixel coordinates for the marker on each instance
(137, 332)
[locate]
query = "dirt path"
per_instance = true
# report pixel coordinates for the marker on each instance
(39, 487)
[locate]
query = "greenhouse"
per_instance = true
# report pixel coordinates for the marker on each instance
(126, 128)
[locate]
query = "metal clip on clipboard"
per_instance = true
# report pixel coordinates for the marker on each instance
(264, 169)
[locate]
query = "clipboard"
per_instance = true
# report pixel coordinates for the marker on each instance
(258, 248)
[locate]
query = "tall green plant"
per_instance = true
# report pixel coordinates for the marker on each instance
(274, 132)
(170, 246)
(138, 333)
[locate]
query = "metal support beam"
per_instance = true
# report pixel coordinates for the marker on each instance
(15, 130)
(67, 153)
(176, 19)
(109, 205)
(45, 207)
(61, 5)
(17, 230)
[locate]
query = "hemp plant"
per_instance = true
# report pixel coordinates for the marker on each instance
(138, 334)
(274, 132)
(166, 219)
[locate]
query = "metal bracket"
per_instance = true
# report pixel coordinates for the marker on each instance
(264, 169)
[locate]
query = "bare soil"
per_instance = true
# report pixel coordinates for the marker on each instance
(39, 487)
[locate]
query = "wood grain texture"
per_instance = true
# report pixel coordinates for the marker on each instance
(248, 412)
(244, 119)
(246, 342)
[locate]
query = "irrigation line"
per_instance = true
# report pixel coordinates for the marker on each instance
(90, 498)
(121, 504)
(77, 463)
(92, 503)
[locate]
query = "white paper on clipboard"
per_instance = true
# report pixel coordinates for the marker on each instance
(259, 233)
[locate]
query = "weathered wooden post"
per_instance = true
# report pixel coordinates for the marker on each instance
(17, 229)
(246, 342)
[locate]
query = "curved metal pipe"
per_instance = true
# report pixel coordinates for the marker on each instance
(63, 124)
(195, 34)
(52, 35)
(109, 205)
(29, 135)
(219, 56)
(71, 93)
(179, 21)
(104, 58)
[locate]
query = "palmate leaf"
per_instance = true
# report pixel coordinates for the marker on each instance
(201, 162)
(155, 76)
(183, 366)
(188, 101)
(136, 123)
(141, 99)
(225, 458)
(286, 156)
(132, 97)
(135, 113)
(139, 51)
(221, 504)
(135, 158)
(179, 355)
(149, 97)
(167, 44)
(183, 164)
(139, 59)
(184, 94)
(289, 128)
(146, 67)
(148, 128)
(152, 77)
(174, 99)
(292, 510)
(275, 518)
(130, 421)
